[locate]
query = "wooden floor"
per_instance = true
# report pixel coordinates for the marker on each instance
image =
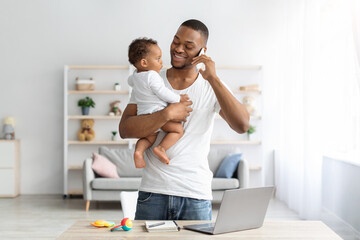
(47, 216)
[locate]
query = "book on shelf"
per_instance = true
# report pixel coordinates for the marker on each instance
(161, 226)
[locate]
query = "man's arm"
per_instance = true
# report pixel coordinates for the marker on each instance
(232, 111)
(133, 126)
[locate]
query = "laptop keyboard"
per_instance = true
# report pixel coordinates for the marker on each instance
(204, 226)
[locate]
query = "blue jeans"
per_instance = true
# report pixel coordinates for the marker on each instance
(154, 206)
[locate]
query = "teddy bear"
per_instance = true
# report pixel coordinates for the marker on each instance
(249, 103)
(115, 109)
(86, 133)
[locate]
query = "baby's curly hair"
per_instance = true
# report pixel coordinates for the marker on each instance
(139, 48)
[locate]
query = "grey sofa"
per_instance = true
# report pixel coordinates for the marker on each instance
(97, 188)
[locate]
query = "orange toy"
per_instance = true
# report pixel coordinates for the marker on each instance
(102, 223)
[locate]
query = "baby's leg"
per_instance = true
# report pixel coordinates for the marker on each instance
(175, 132)
(140, 147)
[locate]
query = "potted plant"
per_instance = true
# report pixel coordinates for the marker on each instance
(115, 136)
(250, 131)
(85, 105)
(117, 87)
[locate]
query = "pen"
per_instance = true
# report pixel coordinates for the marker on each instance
(156, 224)
(178, 228)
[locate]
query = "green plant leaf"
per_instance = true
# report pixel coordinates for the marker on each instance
(86, 102)
(251, 129)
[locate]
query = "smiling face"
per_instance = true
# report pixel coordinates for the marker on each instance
(186, 45)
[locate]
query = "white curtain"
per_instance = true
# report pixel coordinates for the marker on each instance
(315, 97)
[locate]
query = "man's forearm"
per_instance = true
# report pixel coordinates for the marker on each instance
(141, 126)
(234, 112)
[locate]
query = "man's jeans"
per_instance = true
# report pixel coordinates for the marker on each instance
(154, 206)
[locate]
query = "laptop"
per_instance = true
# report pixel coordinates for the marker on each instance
(240, 209)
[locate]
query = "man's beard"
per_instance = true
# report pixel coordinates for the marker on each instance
(180, 67)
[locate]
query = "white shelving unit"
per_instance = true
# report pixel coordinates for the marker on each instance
(234, 77)
(71, 115)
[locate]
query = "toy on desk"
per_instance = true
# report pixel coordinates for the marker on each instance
(102, 223)
(126, 224)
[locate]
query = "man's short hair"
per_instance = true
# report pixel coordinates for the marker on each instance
(197, 26)
(139, 48)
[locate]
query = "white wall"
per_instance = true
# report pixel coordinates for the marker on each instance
(37, 38)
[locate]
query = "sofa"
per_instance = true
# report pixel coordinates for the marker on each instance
(96, 188)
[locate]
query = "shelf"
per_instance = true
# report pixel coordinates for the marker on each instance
(217, 116)
(9, 140)
(75, 167)
(98, 67)
(240, 67)
(230, 67)
(247, 91)
(124, 142)
(104, 117)
(80, 167)
(104, 142)
(243, 142)
(255, 168)
(98, 92)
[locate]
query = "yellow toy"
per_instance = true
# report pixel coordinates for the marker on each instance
(86, 133)
(102, 223)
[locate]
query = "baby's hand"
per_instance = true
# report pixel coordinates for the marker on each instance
(184, 98)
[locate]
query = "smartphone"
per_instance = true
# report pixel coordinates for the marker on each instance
(200, 65)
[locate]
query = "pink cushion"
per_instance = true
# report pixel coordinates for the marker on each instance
(102, 166)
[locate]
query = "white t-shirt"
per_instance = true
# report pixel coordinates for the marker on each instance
(151, 95)
(188, 174)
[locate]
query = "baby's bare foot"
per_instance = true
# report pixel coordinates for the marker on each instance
(161, 153)
(139, 159)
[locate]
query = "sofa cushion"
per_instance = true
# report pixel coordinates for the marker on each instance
(103, 167)
(123, 159)
(218, 153)
(124, 183)
(224, 183)
(228, 166)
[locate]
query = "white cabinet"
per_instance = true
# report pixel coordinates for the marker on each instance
(9, 168)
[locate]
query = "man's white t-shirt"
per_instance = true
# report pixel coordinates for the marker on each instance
(188, 174)
(151, 95)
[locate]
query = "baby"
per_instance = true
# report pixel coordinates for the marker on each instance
(151, 96)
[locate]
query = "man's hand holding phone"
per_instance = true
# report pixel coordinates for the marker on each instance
(209, 72)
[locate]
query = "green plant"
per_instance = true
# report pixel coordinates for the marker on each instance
(251, 129)
(114, 133)
(86, 102)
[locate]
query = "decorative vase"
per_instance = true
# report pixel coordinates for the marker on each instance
(85, 110)
(117, 87)
(115, 137)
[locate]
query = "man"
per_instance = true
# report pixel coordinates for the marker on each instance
(182, 189)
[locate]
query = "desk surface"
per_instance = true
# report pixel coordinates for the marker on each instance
(270, 230)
